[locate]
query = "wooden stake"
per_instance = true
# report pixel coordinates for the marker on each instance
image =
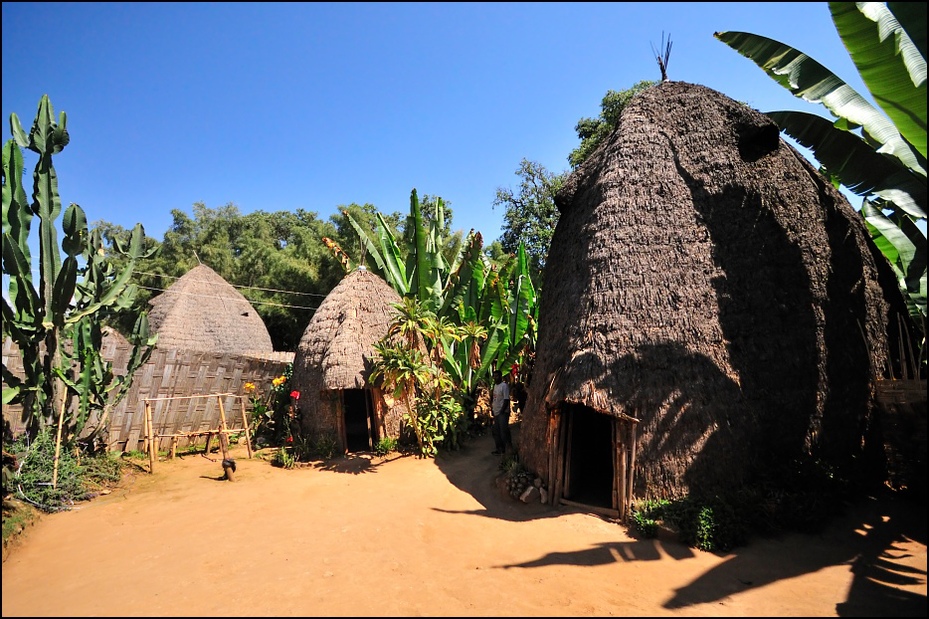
(61, 416)
(223, 437)
(150, 430)
(248, 438)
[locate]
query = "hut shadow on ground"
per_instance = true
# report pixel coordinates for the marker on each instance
(866, 536)
(867, 539)
(356, 463)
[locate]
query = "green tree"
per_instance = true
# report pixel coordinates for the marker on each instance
(57, 324)
(879, 154)
(593, 131)
(276, 260)
(530, 214)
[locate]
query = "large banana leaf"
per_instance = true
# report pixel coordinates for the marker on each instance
(904, 246)
(889, 62)
(807, 79)
(858, 166)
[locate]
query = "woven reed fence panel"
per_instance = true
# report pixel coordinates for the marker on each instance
(903, 424)
(176, 376)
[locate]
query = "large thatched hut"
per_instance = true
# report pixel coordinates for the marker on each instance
(712, 309)
(201, 311)
(333, 364)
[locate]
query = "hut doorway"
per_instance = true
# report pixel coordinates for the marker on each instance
(589, 476)
(358, 419)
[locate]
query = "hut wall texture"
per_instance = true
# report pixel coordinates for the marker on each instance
(705, 279)
(337, 349)
(171, 373)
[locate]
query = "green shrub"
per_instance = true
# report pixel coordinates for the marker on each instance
(283, 458)
(325, 446)
(385, 445)
(646, 516)
(77, 479)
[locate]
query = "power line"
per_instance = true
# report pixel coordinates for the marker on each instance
(213, 296)
(308, 294)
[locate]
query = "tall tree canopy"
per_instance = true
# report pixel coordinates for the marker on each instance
(276, 260)
(530, 213)
(592, 131)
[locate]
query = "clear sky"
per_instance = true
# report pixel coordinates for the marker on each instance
(279, 106)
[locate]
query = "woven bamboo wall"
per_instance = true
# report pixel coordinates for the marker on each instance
(175, 374)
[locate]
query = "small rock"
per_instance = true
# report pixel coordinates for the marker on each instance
(529, 495)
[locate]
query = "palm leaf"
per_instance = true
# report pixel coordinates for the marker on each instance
(858, 166)
(890, 64)
(807, 79)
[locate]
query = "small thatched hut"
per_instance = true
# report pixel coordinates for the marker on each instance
(711, 309)
(202, 312)
(333, 363)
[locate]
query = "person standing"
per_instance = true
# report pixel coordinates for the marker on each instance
(500, 406)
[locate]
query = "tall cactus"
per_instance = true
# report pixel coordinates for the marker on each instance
(72, 297)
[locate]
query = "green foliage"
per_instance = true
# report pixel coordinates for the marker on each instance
(284, 457)
(272, 412)
(482, 314)
(277, 260)
(801, 496)
(593, 131)
(646, 516)
(32, 480)
(879, 154)
(325, 446)
(386, 445)
(57, 325)
(530, 215)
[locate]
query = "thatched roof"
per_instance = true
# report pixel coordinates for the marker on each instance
(338, 343)
(201, 311)
(707, 281)
(336, 353)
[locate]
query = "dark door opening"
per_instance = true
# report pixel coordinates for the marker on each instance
(358, 414)
(589, 457)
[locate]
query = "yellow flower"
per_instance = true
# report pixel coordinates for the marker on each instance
(249, 387)
(280, 380)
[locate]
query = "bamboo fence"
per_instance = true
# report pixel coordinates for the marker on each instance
(167, 382)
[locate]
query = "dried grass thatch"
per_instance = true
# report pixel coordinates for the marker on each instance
(706, 285)
(336, 352)
(201, 311)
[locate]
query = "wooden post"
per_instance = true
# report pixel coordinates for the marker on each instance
(173, 446)
(61, 416)
(223, 436)
(631, 465)
(248, 437)
(150, 432)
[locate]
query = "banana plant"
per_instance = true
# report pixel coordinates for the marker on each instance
(72, 296)
(493, 310)
(886, 163)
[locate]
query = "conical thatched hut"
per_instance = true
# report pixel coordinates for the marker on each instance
(333, 363)
(201, 311)
(711, 308)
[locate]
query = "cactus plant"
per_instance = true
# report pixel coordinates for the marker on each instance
(73, 296)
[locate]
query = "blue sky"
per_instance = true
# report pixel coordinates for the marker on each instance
(280, 106)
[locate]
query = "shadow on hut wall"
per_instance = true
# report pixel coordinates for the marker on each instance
(811, 398)
(766, 314)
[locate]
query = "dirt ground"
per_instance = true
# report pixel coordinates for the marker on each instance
(403, 536)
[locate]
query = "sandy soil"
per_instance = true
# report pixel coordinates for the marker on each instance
(402, 536)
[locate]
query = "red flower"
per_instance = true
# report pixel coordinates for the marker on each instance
(290, 439)
(295, 395)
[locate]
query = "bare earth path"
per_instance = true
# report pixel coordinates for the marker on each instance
(402, 536)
